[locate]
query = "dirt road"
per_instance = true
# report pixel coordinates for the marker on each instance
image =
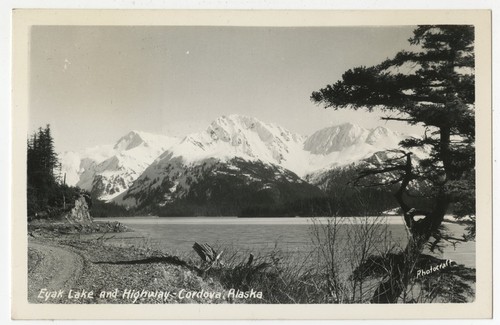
(53, 268)
(93, 266)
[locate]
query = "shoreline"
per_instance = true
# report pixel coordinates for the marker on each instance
(80, 269)
(92, 268)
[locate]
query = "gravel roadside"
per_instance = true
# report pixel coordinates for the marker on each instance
(92, 271)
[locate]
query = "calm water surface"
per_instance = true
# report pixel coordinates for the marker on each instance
(258, 235)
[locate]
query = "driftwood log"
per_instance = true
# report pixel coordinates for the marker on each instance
(208, 255)
(241, 275)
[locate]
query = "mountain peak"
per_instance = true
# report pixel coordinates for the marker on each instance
(134, 139)
(241, 136)
(235, 120)
(129, 141)
(335, 138)
(108, 171)
(339, 137)
(346, 125)
(383, 137)
(235, 129)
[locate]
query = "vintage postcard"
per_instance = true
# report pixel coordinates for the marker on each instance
(251, 164)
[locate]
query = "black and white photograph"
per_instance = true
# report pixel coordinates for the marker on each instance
(253, 164)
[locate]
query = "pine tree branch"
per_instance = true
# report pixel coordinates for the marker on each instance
(398, 119)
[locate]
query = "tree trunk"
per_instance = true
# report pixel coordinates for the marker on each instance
(402, 265)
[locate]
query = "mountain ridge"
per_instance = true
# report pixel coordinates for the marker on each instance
(140, 163)
(108, 170)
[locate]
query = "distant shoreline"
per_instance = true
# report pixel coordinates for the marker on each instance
(447, 218)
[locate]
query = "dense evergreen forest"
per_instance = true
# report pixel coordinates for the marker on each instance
(48, 195)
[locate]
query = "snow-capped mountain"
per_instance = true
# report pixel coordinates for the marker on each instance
(335, 138)
(339, 137)
(238, 165)
(74, 163)
(107, 171)
(226, 138)
(344, 144)
(216, 187)
(244, 137)
(236, 149)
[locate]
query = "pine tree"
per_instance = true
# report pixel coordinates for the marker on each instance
(41, 166)
(432, 86)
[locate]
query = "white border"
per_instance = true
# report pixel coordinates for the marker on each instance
(5, 49)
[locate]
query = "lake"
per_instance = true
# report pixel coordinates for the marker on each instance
(260, 235)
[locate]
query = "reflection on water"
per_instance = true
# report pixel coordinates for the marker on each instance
(292, 235)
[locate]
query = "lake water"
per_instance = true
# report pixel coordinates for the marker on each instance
(259, 235)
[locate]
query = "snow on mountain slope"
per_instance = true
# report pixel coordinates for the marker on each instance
(328, 179)
(108, 171)
(335, 138)
(244, 137)
(346, 143)
(226, 138)
(74, 163)
(339, 137)
(251, 140)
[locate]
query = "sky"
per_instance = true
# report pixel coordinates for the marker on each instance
(94, 84)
